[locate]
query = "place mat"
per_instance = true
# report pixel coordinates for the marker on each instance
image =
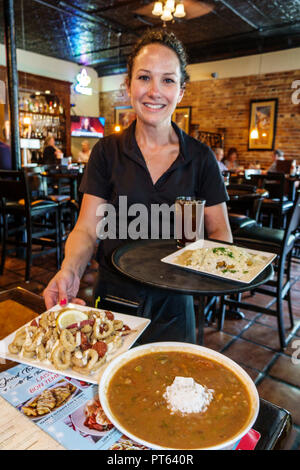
(71, 421)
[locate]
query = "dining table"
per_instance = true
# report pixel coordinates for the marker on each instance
(18, 432)
(243, 194)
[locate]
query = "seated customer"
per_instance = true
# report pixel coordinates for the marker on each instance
(231, 160)
(219, 153)
(276, 155)
(84, 154)
(51, 154)
(5, 157)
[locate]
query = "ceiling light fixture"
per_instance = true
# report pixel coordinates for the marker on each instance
(169, 9)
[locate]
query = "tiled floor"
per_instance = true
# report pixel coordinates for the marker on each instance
(252, 342)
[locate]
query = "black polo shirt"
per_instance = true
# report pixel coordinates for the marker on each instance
(117, 168)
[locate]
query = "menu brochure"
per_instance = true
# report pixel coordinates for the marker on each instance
(69, 410)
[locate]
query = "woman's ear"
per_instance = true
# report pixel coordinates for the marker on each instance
(127, 85)
(181, 93)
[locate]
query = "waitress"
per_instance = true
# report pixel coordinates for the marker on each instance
(151, 162)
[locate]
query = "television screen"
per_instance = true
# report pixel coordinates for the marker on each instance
(87, 126)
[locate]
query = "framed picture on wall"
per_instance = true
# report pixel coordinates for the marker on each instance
(262, 124)
(182, 117)
(124, 116)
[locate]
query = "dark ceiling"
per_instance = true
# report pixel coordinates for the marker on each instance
(99, 33)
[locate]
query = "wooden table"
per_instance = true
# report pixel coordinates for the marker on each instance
(18, 433)
(241, 194)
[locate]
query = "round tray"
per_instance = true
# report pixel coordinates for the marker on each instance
(141, 260)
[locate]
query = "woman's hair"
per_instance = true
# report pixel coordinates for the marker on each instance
(164, 38)
(47, 140)
(230, 152)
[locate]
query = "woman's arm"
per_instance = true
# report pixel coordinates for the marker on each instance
(217, 223)
(78, 252)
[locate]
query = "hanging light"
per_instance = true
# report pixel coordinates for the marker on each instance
(170, 5)
(158, 9)
(167, 15)
(165, 10)
(254, 134)
(179, 12)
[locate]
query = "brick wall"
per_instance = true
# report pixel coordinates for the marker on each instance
(225, 103)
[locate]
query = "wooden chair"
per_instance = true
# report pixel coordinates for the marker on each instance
(37, 221)
(244, 212)
(277, 241)
(277, 206)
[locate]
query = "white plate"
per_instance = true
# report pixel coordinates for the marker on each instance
(135, 323)
(170, 259)
(181, 347)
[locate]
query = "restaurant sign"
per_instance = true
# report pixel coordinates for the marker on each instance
(82, 85)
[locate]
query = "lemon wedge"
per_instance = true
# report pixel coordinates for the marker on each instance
(69, 317)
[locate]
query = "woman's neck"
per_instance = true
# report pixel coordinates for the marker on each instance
(152, 136)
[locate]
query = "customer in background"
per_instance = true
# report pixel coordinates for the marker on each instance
(84, 154)
(5, 157)
(231, 160)
(276, 155)
(219, 153)
(51, 154)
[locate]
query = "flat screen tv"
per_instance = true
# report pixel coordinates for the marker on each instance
(82, 126)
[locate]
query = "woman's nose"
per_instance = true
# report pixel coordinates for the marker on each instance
(154, 89)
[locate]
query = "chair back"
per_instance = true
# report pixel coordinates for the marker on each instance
(284, 166)
(293, 223)
(37, 186)
(274, 183)
(13, 185)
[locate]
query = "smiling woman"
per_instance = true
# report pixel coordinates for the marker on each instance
(152, 162)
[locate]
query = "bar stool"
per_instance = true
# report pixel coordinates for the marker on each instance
(32, 218)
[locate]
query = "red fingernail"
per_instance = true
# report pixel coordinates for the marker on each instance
(63, 302)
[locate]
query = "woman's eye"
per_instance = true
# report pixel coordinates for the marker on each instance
(143, 77)
(169, 80)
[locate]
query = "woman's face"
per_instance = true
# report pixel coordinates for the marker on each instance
(52, 142)
(155, 87)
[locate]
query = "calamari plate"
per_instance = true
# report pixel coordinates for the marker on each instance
(135, 323)
(171, 259)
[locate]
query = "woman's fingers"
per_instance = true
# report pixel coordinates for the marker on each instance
(61, 289)
(50, 298)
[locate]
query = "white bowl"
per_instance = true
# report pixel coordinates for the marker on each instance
(182, 347)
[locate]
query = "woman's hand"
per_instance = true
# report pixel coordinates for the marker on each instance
(63, 286)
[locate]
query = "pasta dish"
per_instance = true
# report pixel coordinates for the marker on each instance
(226, 261)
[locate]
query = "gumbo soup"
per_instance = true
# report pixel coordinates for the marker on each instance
(179, 400)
